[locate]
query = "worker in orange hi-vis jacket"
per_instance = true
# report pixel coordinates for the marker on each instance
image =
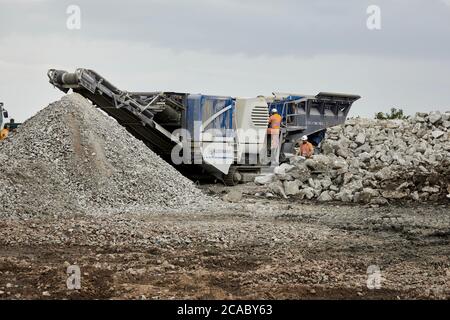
(4, 133)
(306, 148)
(274, 131)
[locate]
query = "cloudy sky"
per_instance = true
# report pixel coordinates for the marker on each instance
(232, 47)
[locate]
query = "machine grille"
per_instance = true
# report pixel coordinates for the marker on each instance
(260, 116)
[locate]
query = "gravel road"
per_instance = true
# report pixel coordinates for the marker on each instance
(258, 248)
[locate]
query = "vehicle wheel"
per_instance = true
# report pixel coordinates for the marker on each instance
(232, 178)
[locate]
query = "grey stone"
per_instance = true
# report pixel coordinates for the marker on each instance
(430, 189)
(348, 176)
(364, 157)
(328, 147)
(379, 201)
(283, 169)
(339, 164)
(319, 163)
(277, 188)
(434, 117)
(360, 138)
(300, 175)
(343, 152)
(354, 186)
(345, 195)
(415, 196)
(326, 183)
(265, 179)
(297, 161)
(384, 174)
(334, 188)
(307, 192)
(368, 194)
(363, 148)
(446, 124)
(437, 134)
(233, 196)
(446, 116)
(292, 188)
(419, 119)
(393, 194)
(324, 197)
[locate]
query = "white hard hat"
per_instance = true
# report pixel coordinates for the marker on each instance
(305, 138)
(274, 110)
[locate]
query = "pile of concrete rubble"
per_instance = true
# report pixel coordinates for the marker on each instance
(373, 161)
(70, 157)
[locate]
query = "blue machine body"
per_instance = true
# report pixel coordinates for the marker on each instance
(200, 108)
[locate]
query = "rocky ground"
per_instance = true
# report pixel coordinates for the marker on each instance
(267, 249)
(77, 189)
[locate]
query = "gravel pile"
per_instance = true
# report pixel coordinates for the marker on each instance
(373, 161)
(72, 158)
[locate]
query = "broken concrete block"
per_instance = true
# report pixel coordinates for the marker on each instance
(307, 193)
(292, 188)
(429, 189)
(393, 194)
(339, 164)
(283, 169)
(434, 117)
(446, 124)
(265, 179)
(277, 188)
(379, 201)
(319, 163)
(367, 195)
(233, 196)
(364, 157)
(324, 197)
(437, 134)
(344, 196)
(326, 183)
(415, 196)
(384, 174)
(360, 138)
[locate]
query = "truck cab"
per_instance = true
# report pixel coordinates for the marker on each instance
(11, 125)
(3, 115)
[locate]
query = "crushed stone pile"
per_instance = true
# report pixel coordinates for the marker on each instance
(72, 158)
(373, 161)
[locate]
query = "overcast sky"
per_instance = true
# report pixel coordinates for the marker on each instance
(232, 47)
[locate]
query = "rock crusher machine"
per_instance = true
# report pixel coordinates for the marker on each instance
(210, 136)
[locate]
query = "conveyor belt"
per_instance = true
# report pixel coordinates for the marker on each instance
(134, 111)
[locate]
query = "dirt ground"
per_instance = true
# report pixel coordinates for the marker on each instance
(258, 249)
